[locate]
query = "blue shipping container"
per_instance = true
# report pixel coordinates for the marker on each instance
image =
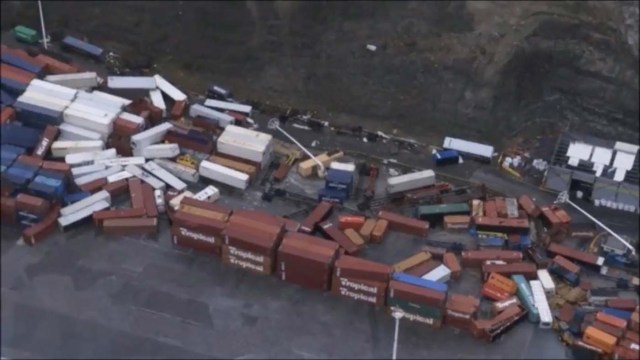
(17, 177)
(572, 279)
(414, 280)
(56, 183)
(22, 64)
(13, 149)
(446, 157)
(40, 189)
(53, 175)
(75, 197)
(21, 136)
(621, 314)
(12, 86)
(83, 47)
(37, 116)
(491, 241)
(339, 180)
(331, 195)
(7, 158)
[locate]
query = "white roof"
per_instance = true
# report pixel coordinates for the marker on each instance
(579, 150)
(156, 99)
(131, 82)
(239, 132)
(619, 174)
(228, 106)
(601, 155)
(468, 147)
(624, 160)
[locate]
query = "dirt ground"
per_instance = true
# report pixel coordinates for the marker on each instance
(479, 70)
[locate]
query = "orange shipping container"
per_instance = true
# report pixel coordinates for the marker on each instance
(611, 320)
(599, 339)
(351, 222)
(503, 283)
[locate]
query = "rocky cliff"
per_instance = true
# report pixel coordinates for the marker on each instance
(474, 69)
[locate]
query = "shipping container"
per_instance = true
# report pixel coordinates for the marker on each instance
(599, 339)
(528, 270)
(122, 161)
(103, 174)
(208, 194)
(547, 282)
(175, 202)
(484, 223)
(360, 289)
(468, 148)
(223, 174)
(246, 144)
(306, 260)
(89, 157)
(206, 209)
(228, 106)
(221, 119)
(334, 233)
(122, 175)
(144, 176)
(25, 34)
(71, 43)
(529, 206)
(379, 230)
(439, 274)
(412, 261)
(540, 300)
(526, 297)
(571, 253)
(477, 257)
(69, 199)
(82, 80)
(22, 136)
(132, 82)
(332, 196)
(70, 132)
(166, 151)
(30, 66)
(198, 233)
(626, 304)
(164, 175)
(36, 116)
(367, 228)
(87, 169)
(100, 216)
(416, 281)
(158, 101)
(182, 172)
(150, 136)
(72, 218)
(614, 320)
(410, 181)
(169, 89)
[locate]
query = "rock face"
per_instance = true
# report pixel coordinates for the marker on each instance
(473, 69)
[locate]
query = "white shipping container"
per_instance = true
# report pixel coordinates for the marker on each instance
(87, 169)
(122, 161)
(72, 218)
(240, 149)
(120, 101)
(87, 158)
(440, 274)
(168, 88)
(75, 133)
(98, 175)
(182, 172)
(162, 174)
(350, 167)
(468, 147)
(547, 282)
(85, 120)
(159, 151)
(76, 80)
(541, 303)
(175, 202)
(253, 136)
(410, 181)
(119, 176)
(96, 104)
(150, 136)
(44, 100)
(199, 110)
(101, 195)
(223, 174)
(156, 99)
(90, 109)
(149, 179)
(62, 148)
(55, 90)
(208, 194)
(225, 105)
(131, 82)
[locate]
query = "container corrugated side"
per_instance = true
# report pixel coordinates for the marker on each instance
(199, 110)
(75, 133)
(150, 136)
(131, 82)
(156, 99)
(223, 174)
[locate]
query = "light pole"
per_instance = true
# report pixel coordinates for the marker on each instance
(397, 314)
(274, 124)
(563, 197)
(44, 32)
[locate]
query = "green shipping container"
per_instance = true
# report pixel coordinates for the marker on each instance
(25, 34)
(413, 308)
(425, 212)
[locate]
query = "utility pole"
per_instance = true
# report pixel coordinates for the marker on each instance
(397, 314)
(44, 32)
(563, 197)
